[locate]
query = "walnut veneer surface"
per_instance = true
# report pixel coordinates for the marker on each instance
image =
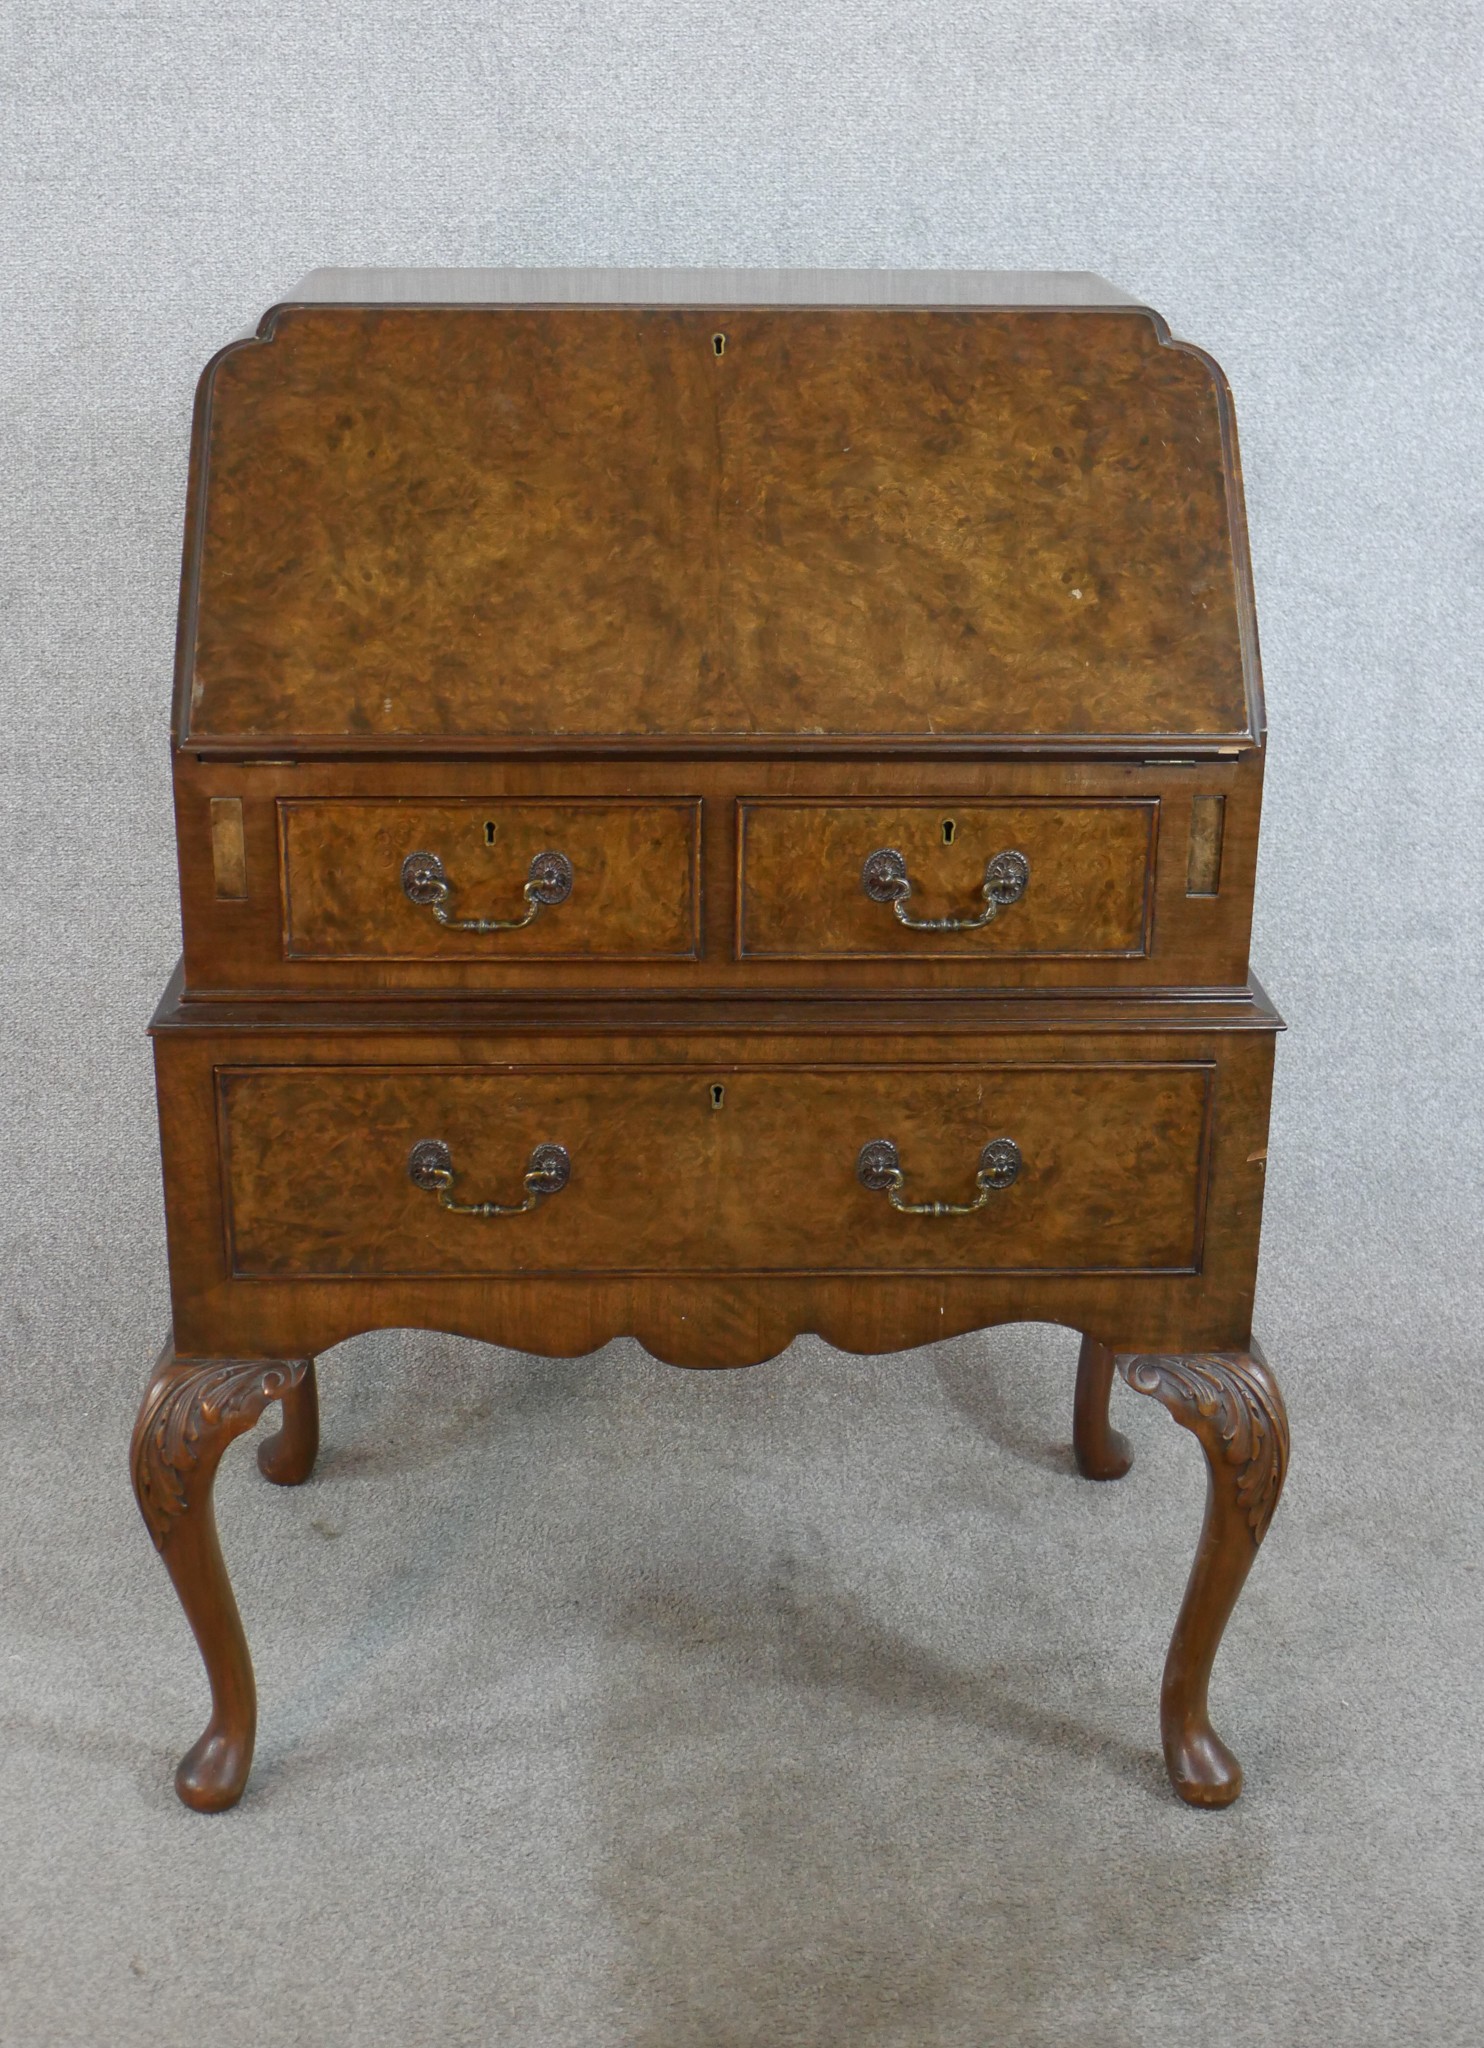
(712, 806)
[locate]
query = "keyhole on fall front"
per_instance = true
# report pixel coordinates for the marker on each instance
(719, 344)
(718, 1095)
(950, 830)
(489, 831)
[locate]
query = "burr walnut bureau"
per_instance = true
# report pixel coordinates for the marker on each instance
(713, 805)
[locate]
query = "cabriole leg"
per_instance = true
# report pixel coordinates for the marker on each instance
(1100, 1450)
(190, 1413)
(287, 1457)
(1230, 1401)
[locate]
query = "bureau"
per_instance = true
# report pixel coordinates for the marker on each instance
(713, 805)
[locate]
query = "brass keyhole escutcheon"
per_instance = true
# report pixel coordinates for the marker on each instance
(718, 1095)
(489, 831)
(950, 831)
(719, 344)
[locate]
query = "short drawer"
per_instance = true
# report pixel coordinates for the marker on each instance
(476, 880)
(982, 880)
(753, 1169)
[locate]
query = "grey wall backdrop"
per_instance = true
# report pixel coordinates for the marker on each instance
(814, 1705)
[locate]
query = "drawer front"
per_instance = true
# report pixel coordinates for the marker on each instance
(739, 1170)
(630, 887)
(1083, 886)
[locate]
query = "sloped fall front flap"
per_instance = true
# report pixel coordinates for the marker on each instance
(504, 525)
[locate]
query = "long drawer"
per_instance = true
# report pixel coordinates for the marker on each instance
(1052, 1167)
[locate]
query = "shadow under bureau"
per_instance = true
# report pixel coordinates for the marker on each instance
(713, 805)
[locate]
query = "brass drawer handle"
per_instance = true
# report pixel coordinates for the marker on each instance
(879, 1166)
(430, 1166)
(885, 880)
(425, 882)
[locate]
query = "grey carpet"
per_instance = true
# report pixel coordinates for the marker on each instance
(604, 1704)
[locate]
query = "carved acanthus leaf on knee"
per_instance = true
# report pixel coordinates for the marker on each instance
(192, 1407)
(1236, 1410)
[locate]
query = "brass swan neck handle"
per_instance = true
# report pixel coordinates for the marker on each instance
(884, 879)
(430, 1165)
(425, 882)
(879, 1168)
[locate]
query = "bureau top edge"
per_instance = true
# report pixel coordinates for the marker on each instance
(510, 286)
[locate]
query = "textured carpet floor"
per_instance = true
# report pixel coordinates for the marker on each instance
(812, 1705)
(607, 1707)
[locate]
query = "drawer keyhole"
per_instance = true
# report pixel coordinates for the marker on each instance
(950, 830)
(719, 343)
(489, 831)
(718, 1094)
